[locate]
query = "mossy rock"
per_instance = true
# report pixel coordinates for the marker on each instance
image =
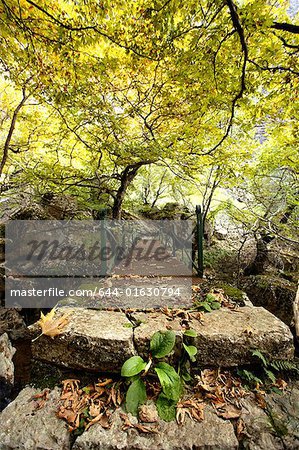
(219, 259)
(273, 293)
(233, 293)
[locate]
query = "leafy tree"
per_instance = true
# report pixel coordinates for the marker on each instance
(118, 88)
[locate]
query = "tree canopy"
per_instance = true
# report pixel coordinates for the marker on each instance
(96, 94)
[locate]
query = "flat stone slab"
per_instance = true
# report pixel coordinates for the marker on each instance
(102, 340)
(93, 340)
(225, 337)
(24, 427)
(212, 433)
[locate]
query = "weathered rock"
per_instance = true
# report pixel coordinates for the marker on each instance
(276, 427)
(273, 293)
(213, 433)
(24, 427)
(2, 250)
(6, 353)
(102, 340)
(225, 337)
(220, 234)
(6, 370)
(258, 430)
(11, 322)
(93, 340)
(285, 415)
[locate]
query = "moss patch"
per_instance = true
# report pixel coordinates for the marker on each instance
(232, 292)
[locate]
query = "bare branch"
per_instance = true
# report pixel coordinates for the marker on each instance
(289, 27)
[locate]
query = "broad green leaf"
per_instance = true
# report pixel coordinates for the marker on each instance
(206, 306)
(162, 343)
(133, 366)
(210, 298)
(166, 408)
(191, 333)
(136, 396)
(191, 350)
(186, 376)
(215, 305)
(170, 381)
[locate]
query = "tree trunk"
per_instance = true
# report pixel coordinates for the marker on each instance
(296, 313)
(118, 201)
(257, 267)
(10, 131)
(126, 177)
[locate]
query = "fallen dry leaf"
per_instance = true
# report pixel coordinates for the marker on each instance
(260, 399)
(181, 413)
(68, 415)
(71, 384)
(192, 407)
(50, 326)
(146, 428)
(229, 412)
(127, 423)
(81, 408)
(104, 383)
(102, 419)
(138, 426)
(148, 414)
(240, 428)
(40, 399)
(281, 384)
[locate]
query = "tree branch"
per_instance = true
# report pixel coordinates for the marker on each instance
(11, 130)
(239, 29)
(288, 27)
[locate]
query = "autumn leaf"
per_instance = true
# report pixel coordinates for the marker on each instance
(192, 407)
(148, 414)
(240, 428)
(102, 419)
(50, 326)
(181, 413)
(229, 412)
(138, 426)
(83, 407)
(260, 399)
(40, 399)
(145, 428)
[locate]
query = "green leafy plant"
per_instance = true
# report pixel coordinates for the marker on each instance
(282, 365)
(188, 355)
(135, 369)
(249, 377)
(267, 371)
(209, 304)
